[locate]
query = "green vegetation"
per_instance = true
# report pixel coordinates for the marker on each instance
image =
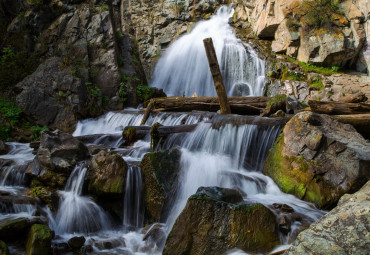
(14, 66)
(36, 130)
(286, 75)
(317, 69)
(277, 100)
(316, 83)
(96, 93)
(293, 24)
(144, 93)
(10, 115)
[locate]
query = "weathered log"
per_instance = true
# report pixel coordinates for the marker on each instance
(338, 108)
(148, 110)
(162, 130)
(361, 122)
(217, 77)
(353, 98)
(238, 105)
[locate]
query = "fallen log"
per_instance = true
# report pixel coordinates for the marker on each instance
(238, 105)
(353, 98)
(361, 122)
(338, 108)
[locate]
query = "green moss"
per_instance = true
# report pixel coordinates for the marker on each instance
(39, 240)
(277, 100)
(4, 250)
(316, 83)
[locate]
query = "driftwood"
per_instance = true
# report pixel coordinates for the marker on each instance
(338, 108)
(361, 122)
(353, 98)
(238, 105)
(217, 77)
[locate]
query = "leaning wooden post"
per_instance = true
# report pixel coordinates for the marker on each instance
(217, 77)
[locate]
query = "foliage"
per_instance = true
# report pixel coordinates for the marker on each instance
(316, 83)
(286, 75)
(277, 100)
(10, 112)
(125, 85)
(96, 93)
(4, 131)
(36, 130)
(317, 69)
(144, 92)
(292, 24)
(14, 66)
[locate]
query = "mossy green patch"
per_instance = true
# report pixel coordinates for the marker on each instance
(4, 250)
(39, 240)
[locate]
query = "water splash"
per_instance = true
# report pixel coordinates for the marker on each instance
(184, 67)
(78, 214)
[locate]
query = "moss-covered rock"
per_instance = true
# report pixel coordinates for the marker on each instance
(160, 172)
(14, 229)
(46, 195)
(209, 226)
(39, 240)
(107, 175)
(318, 159)
(4, 250)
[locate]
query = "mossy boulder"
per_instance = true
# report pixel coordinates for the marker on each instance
(318, 159)
(13, 229)
(211, 226)
(39, 240)
(47, 195)
(4, 250)
(160, 173)
(107, 175)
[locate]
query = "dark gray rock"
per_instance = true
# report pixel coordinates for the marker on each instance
(60, 151)
(76, 242)
(4, 149)
(220, 194)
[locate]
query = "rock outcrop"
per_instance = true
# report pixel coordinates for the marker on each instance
(318, 159)
(208, 225)
(344, 230)
(39, 240)
(107, 175)
(160, 174)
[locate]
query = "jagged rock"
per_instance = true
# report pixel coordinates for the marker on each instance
(3, 148)
(156, 234)
(60, 151)
(76, 242)
(318, 159)
(285, 39)
(160, 175)
(107, 175)
(43, 95)
(344, 230)
(209, 226)
(4, 250)
(39, 240)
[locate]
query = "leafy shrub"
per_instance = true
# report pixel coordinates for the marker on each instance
(144, 92)
(36, 130)
(4, 131)
(14, 66)
(10, 112)
(293, 24)
(316, 83)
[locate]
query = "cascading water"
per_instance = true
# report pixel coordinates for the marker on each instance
(78, 214)
(184, 68)
(133, 214)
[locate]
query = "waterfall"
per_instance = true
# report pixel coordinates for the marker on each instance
(231, 156)
(14, 165)
(133, 214)
(183, 68)
(78, 214)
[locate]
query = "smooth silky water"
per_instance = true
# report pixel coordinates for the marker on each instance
(228, 155)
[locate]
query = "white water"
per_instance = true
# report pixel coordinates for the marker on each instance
(184, 67)
(78, 214)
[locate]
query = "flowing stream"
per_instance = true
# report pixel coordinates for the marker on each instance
(222, 151)
(183, 69)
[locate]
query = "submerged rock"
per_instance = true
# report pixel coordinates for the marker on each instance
(211, 226)
(318, 159)
(344, 230)
(76, 242)
(160, 172)
(60, 151)
(39, 240)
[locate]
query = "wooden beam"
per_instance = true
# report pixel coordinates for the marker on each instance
(217, 77)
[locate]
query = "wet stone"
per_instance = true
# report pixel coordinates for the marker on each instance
(76, 242)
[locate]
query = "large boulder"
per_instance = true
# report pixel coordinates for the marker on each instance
(318, 159)
(344, 230)
(51, 95)
(60, 151)
(208, 225)
(107, 175)
(4, 250)
(39, 240)
(160, 174)
(13, 229)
